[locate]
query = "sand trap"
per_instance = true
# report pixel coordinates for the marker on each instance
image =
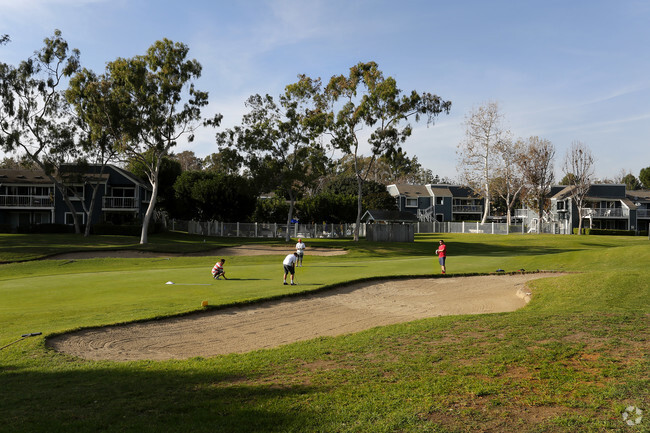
(242, 250)
(270, 324)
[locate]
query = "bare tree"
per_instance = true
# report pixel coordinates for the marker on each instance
(477, 161)
(536, 163)
(579, 162)
(508, 181)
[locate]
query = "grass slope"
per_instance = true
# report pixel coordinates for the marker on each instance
(572, 360)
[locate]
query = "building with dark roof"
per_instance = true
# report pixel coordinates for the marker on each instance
(30, 197)
(438, 202)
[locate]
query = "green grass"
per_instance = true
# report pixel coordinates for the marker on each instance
(572, 360)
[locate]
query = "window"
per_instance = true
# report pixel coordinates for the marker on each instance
(75, 192)
(118, 191)
(561, 205)
(440, 200)
(411, 202)
(81, 217)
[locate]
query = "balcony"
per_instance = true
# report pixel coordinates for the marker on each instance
(119, 203)
(26, 201)
(606, 212)
(467, 209)
(643, 213)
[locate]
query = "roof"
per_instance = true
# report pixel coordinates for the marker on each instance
(563, 193)
(640, 195)
(410, 191)
(18, 176)
(394, 216)
(439, 190)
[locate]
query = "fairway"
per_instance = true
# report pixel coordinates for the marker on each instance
(380, 346)
(265, 325)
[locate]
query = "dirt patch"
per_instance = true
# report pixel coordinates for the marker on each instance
(340, 311)
(242, 250)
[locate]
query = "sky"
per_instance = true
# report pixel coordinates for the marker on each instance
(563, 70)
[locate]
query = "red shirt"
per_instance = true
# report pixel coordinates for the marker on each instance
(442, 250)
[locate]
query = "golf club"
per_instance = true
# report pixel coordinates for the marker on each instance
(31, 334)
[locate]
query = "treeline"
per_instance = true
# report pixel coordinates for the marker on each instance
(54, 113)
(206, 189)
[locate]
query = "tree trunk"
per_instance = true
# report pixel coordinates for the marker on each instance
(287, 236)
(90, 211)
(152, 205)
(486, 209)
(359, 207)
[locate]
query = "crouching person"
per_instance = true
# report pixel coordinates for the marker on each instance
(218, 271)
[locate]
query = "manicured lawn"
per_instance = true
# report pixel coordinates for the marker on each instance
(572, 360)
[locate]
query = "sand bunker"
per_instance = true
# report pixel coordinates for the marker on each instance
(242, 250)
(340, 311)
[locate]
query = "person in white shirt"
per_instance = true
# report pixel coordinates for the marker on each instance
(300, 249)
(290, 267)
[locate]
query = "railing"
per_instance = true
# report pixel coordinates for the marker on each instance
(467, 209)
(643, 213)
(605, 212)
(119, 203)
(25, 201)
(425, 214)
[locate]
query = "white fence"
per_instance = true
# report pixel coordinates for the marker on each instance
(298, 230)
(266, 230)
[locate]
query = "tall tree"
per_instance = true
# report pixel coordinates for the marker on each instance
(34, 115)
(644, 177)
(279, 139)
(159, 106)
(98, 119)
(631, 182)
(227, 161)
(508, 181)
(364, 98)
(188, 160)
(536, 162)
(579, 162)
(478, 151)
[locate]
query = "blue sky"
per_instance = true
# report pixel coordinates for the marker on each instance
(562, 70)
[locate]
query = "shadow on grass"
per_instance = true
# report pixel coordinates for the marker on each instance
(458, 248)
(138, 399)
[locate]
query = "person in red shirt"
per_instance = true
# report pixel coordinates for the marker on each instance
(442, 255)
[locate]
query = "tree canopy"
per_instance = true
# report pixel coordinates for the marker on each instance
(365, 98)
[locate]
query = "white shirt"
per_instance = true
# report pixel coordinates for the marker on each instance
(300, 246)
(289, 260)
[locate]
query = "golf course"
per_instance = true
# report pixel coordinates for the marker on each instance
(576, 357)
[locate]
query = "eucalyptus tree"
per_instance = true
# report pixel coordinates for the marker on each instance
(34, 115)
(365, 99)
(159, 104)
(578, 167)
(98, 118)
(279, 141)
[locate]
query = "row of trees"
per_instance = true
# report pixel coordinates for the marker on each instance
(498, 166)
(54, 112)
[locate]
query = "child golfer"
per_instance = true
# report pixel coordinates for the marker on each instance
(217, 270)
(289, 264)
